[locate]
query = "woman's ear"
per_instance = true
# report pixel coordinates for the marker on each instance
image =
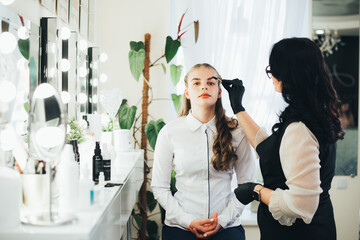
(186, 92)
(219, 96)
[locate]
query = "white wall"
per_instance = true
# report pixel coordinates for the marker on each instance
(118, 23)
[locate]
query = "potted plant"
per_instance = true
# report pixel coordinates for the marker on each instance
(126, 117)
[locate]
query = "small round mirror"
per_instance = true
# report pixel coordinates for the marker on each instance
(47, 123)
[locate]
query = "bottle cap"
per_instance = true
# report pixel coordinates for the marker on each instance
(101, 179)
(97, 150)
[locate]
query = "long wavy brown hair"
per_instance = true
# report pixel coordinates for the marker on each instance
(222, 147)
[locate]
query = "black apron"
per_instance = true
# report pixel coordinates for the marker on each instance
(322, 225)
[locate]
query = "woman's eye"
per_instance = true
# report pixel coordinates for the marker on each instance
(211, 83)
(196, 83)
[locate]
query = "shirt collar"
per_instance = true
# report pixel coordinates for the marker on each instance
(194, 124)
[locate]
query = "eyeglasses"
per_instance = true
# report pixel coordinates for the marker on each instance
(268, 72)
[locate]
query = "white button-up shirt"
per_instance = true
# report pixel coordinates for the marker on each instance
(185, 145)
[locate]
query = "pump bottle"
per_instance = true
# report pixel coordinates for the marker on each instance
(97, 162)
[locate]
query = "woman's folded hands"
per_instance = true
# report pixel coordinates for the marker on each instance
(204, 228)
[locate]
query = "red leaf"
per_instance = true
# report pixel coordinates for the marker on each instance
(196, 30)
(181, 35)
(182, 17)
(22, 20)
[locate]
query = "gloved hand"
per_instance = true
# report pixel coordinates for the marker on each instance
(236, 91)
(245, 192)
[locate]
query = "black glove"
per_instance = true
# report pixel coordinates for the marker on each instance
(236, 91)
(245, 192)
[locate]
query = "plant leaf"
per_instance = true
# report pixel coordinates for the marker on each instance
(136, 62)
(150, 200)
(173, 182)
(152, 228)
(152, 130)
(26, 106)
(164, 68)
(126, 115)
(175, 73)
(24, 47)
(171, 48)
(138, 220)
(196, 30)
(136, 46)
(177, 101)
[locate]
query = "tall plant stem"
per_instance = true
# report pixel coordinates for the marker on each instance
(144, 121)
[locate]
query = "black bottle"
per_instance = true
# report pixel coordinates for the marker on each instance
(74, 143)
(87, 122)
(97, 162)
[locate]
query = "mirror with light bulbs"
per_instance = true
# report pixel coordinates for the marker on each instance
(19, 67)
(81, 76)
(93, 79)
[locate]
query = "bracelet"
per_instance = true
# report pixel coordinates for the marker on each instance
(260, 193)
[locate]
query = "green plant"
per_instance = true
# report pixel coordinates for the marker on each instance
(139, 62)
(126, 115)
(107, 125)
(76, 131)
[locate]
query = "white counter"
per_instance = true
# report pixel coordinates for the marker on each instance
(106, 220)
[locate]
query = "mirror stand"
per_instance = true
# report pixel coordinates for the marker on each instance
(50, 217)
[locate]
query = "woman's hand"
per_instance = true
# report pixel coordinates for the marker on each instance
(236, 91)
(244, 192)
(200, 227)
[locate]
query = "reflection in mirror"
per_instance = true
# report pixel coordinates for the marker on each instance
(81, 74)
(14, 65)
(93, 79)
(48, 68)
(47, 123)
(19, 47)
(336, 31)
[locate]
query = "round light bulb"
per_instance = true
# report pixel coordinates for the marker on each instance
(103, 57)
(82, 72)
(52, 47)
(65, 33)
(94, 65)
(95, 99)
(51, 72)
(7, 91)
(23, 33)
(64, 65)
(82, 45)
(22, 64)
(7, 2)
(8, 43)
(95, 82)
(82, 98)
(103, 77)
(65, 97)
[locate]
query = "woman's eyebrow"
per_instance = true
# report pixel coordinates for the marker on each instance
(213, 77)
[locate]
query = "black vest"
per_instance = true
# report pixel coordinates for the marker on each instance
(322, 225)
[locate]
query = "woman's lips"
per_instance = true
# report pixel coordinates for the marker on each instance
(204, 95)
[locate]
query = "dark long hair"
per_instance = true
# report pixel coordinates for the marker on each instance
(222, 147)
(299, 65)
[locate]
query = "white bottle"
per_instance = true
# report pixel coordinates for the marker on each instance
(86, 188)
(68, 181)
(99, 189)
(11, 198)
